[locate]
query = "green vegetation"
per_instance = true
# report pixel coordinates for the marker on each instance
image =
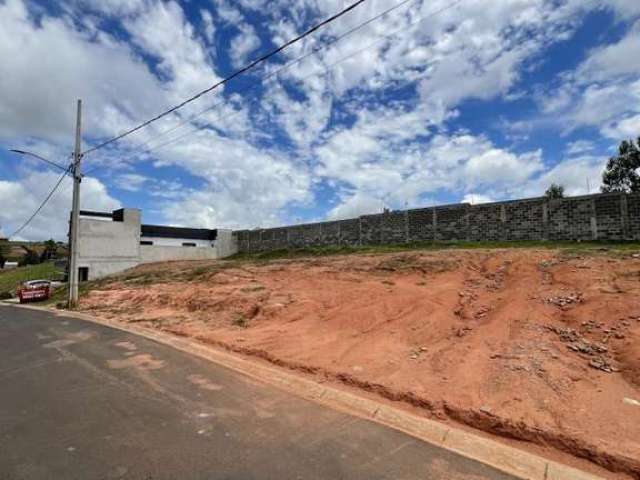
(584, 247)
(622, 173)
(239, 321)
(9, 279)
(555, 191)
(4, 251)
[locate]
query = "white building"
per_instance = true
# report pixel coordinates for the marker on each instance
(112, 242)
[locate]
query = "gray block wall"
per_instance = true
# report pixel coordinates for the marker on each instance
(607, 216)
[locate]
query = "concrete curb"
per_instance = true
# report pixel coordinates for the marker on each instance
(510, 460)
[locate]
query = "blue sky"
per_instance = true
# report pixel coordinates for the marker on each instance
(439, 101)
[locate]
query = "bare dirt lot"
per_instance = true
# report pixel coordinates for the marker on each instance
(534, 345)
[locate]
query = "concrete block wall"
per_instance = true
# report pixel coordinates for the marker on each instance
(611, 216)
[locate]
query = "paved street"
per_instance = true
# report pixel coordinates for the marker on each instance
(82, 401)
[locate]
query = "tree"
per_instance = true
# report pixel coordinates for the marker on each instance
(30, 257)
(4, 251)
(50, 251)
(555, 191)
(622, 173)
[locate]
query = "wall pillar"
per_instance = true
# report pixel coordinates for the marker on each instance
(624, 217)
(594, 220)
(406, 226)
(545, 220)
(467, 223)
(435, 224)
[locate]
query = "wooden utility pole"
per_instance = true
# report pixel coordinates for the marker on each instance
(75, 214)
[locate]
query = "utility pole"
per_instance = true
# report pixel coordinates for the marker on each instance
(75, 214)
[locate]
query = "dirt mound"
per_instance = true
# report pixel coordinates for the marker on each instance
(527, 344)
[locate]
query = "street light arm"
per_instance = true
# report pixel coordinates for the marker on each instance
(35, 155)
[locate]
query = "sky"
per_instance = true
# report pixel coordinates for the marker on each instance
(436, 102)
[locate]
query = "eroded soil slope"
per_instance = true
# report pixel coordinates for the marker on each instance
(529, 344)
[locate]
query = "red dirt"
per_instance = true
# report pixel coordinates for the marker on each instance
(527, 344)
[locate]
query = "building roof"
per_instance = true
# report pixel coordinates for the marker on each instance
(162, 231)
(158, 231)
(91, 213)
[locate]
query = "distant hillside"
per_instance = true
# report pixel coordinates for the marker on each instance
(16, 250)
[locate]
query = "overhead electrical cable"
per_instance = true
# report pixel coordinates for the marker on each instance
(278, 71)
(44, 202)
(327, 68)
(229, 78)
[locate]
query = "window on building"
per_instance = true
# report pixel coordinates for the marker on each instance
(188, 244)
(146, 242)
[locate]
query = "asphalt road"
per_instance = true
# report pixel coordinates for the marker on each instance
(82, 401)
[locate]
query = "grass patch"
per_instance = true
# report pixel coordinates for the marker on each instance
(239, 320)
(569, 248)
(165, 272)
(9, 279)
(60, 295)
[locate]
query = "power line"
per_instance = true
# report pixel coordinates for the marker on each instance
(327, 69)
(230, 77)
(39, 157)
(279, 70)
(44, 202)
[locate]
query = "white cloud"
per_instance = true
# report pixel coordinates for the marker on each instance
(369, 167)
(575, 174)
(623, 8)
(163, 31)
(244, 186)
(613, 60)
(627, 128)
(21, 197)
(227, 12)
(579, 147)
(39, 97)
(245, 42)
(208, 24)
(356, 205)
(341, 115)
(476, 198)
(602, 92)
(131, 182)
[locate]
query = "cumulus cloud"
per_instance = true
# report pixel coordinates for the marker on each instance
(476, 198)
(245, 42)
(379, 117)
(39, 97)
(603, 91)
(355, 205)
(24, 195)
(245, 186)
(163, 31)
(131, 182)
(579, 175)
(369, 170)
